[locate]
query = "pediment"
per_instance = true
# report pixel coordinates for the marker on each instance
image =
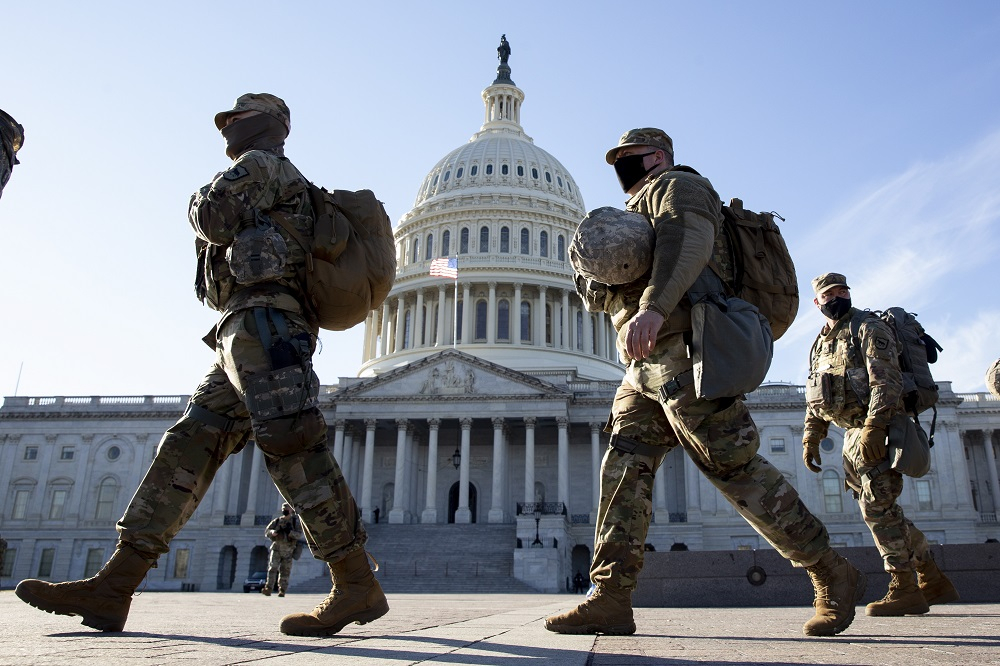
(450, 374)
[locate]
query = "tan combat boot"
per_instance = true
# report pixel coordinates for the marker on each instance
(934, 585)
(606, 611)
(838, 587)
(102, 601)
(903, 598)
(356, 597)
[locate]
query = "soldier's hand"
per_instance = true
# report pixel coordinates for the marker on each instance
(811, 457)
(871, 441)
(640, 333)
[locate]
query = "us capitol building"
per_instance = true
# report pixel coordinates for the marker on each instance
(473, 434)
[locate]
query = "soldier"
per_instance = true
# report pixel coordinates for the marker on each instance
(858, 386)
(656, 408)
(993, 378)
(11, 140)
(262, 385)
(284, 533)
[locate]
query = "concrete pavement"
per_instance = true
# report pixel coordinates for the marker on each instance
(486, 630)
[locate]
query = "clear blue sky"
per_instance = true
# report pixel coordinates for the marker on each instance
(872, 127)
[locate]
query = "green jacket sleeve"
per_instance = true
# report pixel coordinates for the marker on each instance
(221, 208)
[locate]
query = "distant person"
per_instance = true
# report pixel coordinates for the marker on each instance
(11, 140)
(284, 533)
(261, 386)
(579, 583)
(656, 408)
(376, 513)
(857, 385)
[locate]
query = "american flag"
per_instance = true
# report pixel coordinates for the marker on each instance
(447, 268)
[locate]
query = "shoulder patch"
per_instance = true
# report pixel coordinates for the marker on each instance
(881, 343)
(235, 173)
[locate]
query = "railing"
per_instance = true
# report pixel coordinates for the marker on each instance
(261, 520)
(545, 508)
(93, 401)
(672, 517)
(232, 520)
(985, 517)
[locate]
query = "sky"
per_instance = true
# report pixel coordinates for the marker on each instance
(872, 128)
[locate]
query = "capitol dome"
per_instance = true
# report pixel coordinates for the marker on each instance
(501, 211)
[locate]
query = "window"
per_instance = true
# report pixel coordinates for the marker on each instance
(95, 559)
(67, 453)
(474, 170)
(447, 175)
(45, 562)
(20, 508)
(435, 181)
(429, 252)
(106, 493)
(525, 321)
(505, 239)
(525, 242)
(463, 242)
(484, 239)
(481, 308)
(458, 174)
(416, 250)
(406, 330)
(520, 170)
(924, 502)
(559, 180)
(503, 320)
(114, 453)
(534, 173)
(543, 244)
(31, 453)
(561, 245)
(458, 319)
(58, 506)
(548, 177)
(489, 169)
(504, 170)
(827, 445)
(833, 492)
(446, 243)
(182, 556)
(569, 186)
(8, 562)
(777, 445)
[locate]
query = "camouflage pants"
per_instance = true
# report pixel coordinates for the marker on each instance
(898, 540)
(279, 565)
(720, 438)
(218, 423)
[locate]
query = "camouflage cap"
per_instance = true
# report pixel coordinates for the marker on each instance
(827, 280)
(993, 378)
(612, 246)
(643, 136)
(263, 102)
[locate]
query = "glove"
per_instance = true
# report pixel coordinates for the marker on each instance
(872, 445)
(810, 456)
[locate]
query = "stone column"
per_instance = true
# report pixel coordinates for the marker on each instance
(347, 462)
(384, 326)
(540, 317)
(398, 513)
(496, 514)
(466, 312)
(464, 514)
(418, 321)
(357, 466)
(563, 455)
(366, 487)
(251, 509)
(595, 464)
(660, 499)
(491, 314)
(529, 458)
(692, 483)
(400, 341)
(442, 312)
(338, 439)
(223, 483)
(565, 325)
(515, 315)
(991, 467)
(602, 336)
(430, 513)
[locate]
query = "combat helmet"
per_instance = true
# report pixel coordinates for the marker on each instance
(993, 378)
(612, 246)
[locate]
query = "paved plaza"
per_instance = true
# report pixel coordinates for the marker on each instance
(234, 628)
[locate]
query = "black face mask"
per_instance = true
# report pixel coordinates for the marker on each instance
(285, 512)
(259, 132)
(630, 170)
(836, 308)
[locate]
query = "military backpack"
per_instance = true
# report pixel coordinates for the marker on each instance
(350, 259)
(763, 270)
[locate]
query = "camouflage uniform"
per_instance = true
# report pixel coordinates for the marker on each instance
(261, 385)
(11, 139)
(284, 534)
(852, 386)
(993, 378)
(654, 410)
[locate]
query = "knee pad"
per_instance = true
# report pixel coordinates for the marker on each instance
(290, 434)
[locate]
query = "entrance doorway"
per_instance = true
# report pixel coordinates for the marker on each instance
(453, 502)
(227, 568)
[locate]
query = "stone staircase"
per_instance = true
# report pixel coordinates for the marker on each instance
(453, 559)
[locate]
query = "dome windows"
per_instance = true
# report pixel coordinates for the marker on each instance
(534, 173)
(474, 171)
(504, 170)
(558, 180)
(463, 243)
(446, 243)
(543, 244)
(520, 170)
(525, 241)
(458, 174)
(560, 248)
(489, 169)
(447, 175)
(484, 240)
(548, 177)
(505, 240)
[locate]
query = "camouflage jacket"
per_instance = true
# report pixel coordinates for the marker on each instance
(686, 215)
(259, 180)
(852, 385)
(287, 533)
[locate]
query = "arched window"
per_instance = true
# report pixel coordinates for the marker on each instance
(504, 169)
(463, 241)
(503, 320)
(484, 240)
(833, 492)
(525, 321)
(458, 174)
(446, 243)
(416, 250)
(534, 173)
(447, 175)
(579, 329)
(107, 492)
(543, 244)
(561, 248)
(489, 169)
(505, 239)
(481, 308)
(474, 170)
(406, 330)
(429, 252)
(548, 177)
(525, 241)
(520, 170)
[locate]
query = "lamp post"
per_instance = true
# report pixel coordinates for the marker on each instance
(537, 543)
(456, 458)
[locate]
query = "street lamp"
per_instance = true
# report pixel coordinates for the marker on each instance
(456, 458)
(537, 543)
